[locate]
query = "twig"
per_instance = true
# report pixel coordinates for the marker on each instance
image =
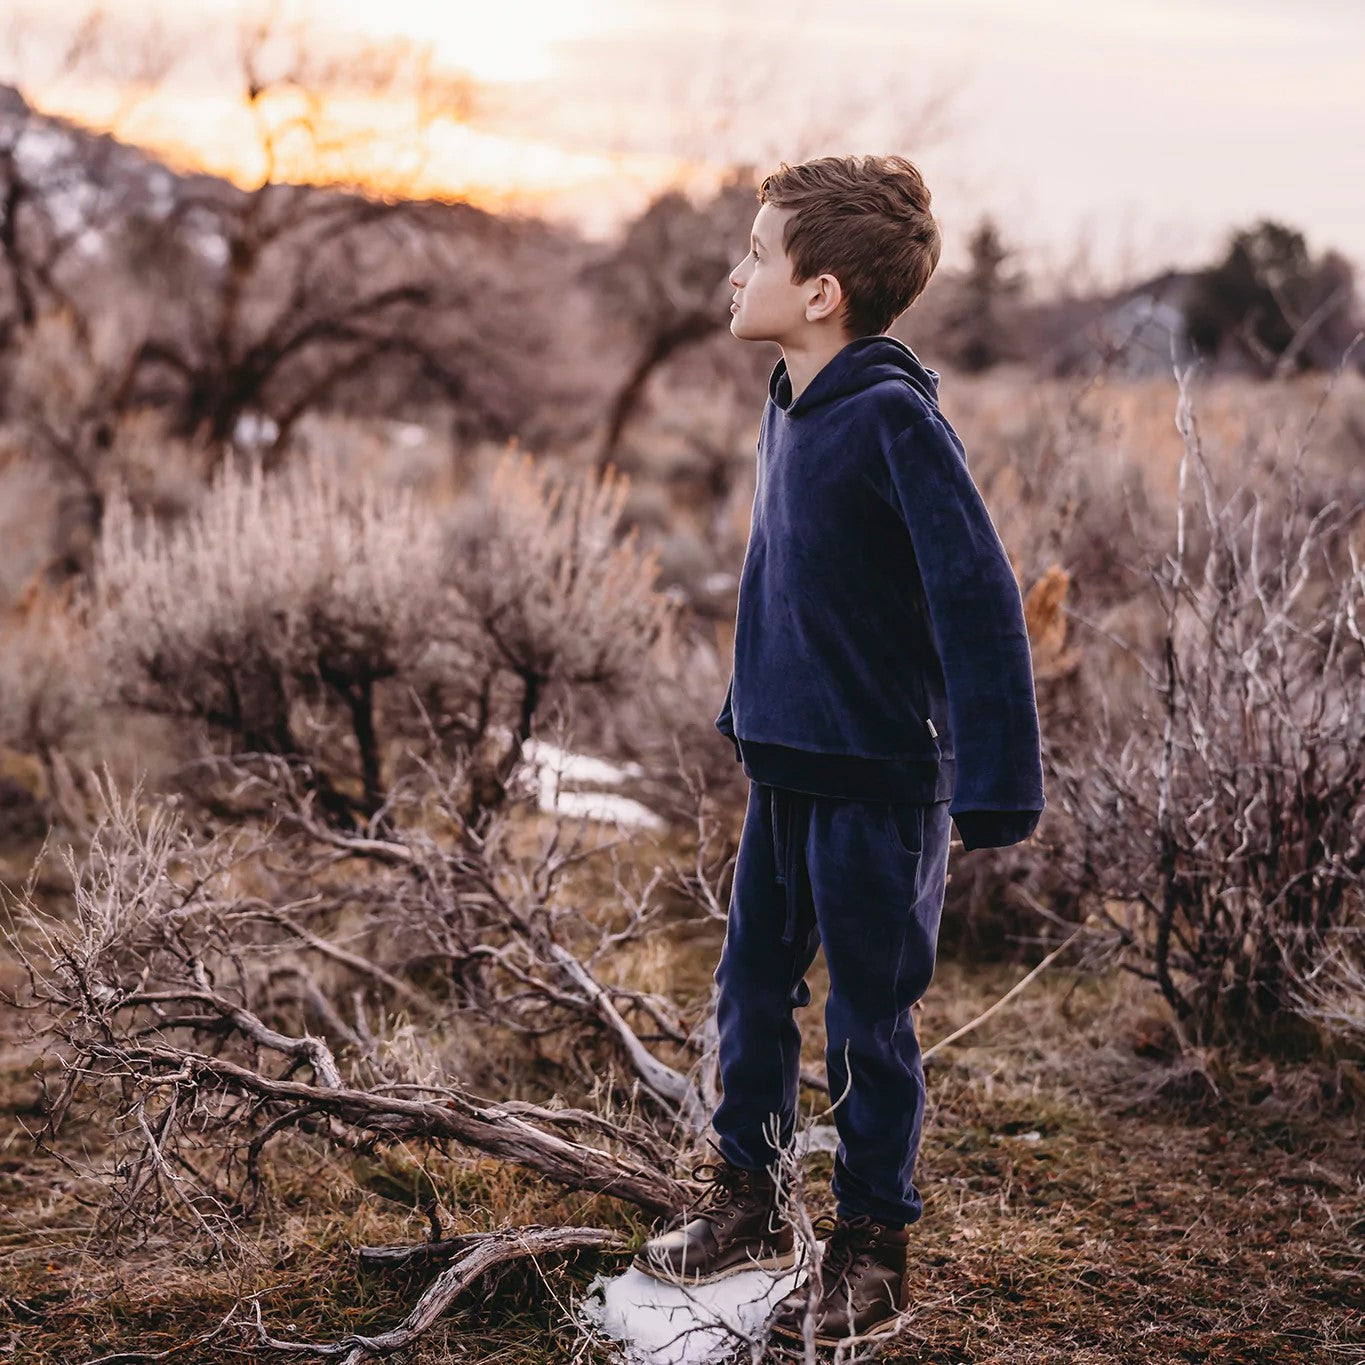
(138, 1357)
(1009, 994)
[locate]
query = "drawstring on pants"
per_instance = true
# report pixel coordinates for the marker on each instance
(784, 822)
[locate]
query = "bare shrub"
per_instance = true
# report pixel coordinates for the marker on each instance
(546, 578)
(283, 607)
(206, 993)
(552, 600)
(274, 594)
(1330, 992)
(1220, 827)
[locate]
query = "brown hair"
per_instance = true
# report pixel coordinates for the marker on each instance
(864, 220)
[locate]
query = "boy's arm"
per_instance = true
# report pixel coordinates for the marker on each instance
(978, 623)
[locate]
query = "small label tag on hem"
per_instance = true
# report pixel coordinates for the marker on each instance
(932, 731)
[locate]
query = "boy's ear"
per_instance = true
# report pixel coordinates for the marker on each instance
(826, 295)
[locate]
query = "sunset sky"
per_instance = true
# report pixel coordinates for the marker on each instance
(1147, 129)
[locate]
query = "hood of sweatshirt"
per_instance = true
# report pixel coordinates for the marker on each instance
(881, 651)
(863, 362)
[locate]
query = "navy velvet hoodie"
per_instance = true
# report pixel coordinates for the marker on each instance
(880, 646)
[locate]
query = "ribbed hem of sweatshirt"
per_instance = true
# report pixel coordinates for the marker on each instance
(917, 781)
(995, 828)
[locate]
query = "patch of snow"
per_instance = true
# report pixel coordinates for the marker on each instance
(161, 191)
(410, 434)
(601, 806)
(663, 1324)
(816, 1137)
(255, 429)
(212, 246)
(548, 766)
(38, 147)
(90, 242)
(718, 582)
(572, 767)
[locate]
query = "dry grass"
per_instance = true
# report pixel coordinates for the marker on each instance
(1168, 1209)
(1187, 1226)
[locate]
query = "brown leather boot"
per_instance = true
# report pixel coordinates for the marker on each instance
(735, 1226)
(862, 1282)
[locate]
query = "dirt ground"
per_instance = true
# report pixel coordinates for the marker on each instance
(1088, 1197)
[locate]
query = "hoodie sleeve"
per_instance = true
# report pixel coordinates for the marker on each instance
(977, 618)
(725, 722)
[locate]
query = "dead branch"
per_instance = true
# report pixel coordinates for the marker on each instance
(487, 1127)
(476, 1257)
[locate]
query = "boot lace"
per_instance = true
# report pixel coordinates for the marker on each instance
(725, 1183)
(848, 1239)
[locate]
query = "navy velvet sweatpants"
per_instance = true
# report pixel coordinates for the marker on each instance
(865, 880)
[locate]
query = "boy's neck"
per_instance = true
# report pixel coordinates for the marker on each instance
(806, 360)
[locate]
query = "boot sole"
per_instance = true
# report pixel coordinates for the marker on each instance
(778, 1260)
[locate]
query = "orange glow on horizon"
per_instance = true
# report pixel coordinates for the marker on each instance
(375, 146)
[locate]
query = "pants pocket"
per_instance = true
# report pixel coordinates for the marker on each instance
(905, 826)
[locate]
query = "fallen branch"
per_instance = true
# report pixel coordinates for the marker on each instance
(478, 1255)
(500, 1130)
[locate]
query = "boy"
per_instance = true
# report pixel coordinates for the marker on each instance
(881, 689)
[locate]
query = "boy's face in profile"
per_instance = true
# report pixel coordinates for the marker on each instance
(768, 307)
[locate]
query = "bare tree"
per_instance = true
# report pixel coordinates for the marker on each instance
(65, 375)
(308, 287)
(234, 312)
(668, 282)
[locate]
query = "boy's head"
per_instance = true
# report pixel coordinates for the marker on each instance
(843, 244)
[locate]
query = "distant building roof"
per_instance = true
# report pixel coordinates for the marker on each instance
(1138, 332)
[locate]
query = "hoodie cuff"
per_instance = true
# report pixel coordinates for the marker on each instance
(995, 828)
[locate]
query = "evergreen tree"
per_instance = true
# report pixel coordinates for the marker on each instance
(977, 332)
(1268, 303)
